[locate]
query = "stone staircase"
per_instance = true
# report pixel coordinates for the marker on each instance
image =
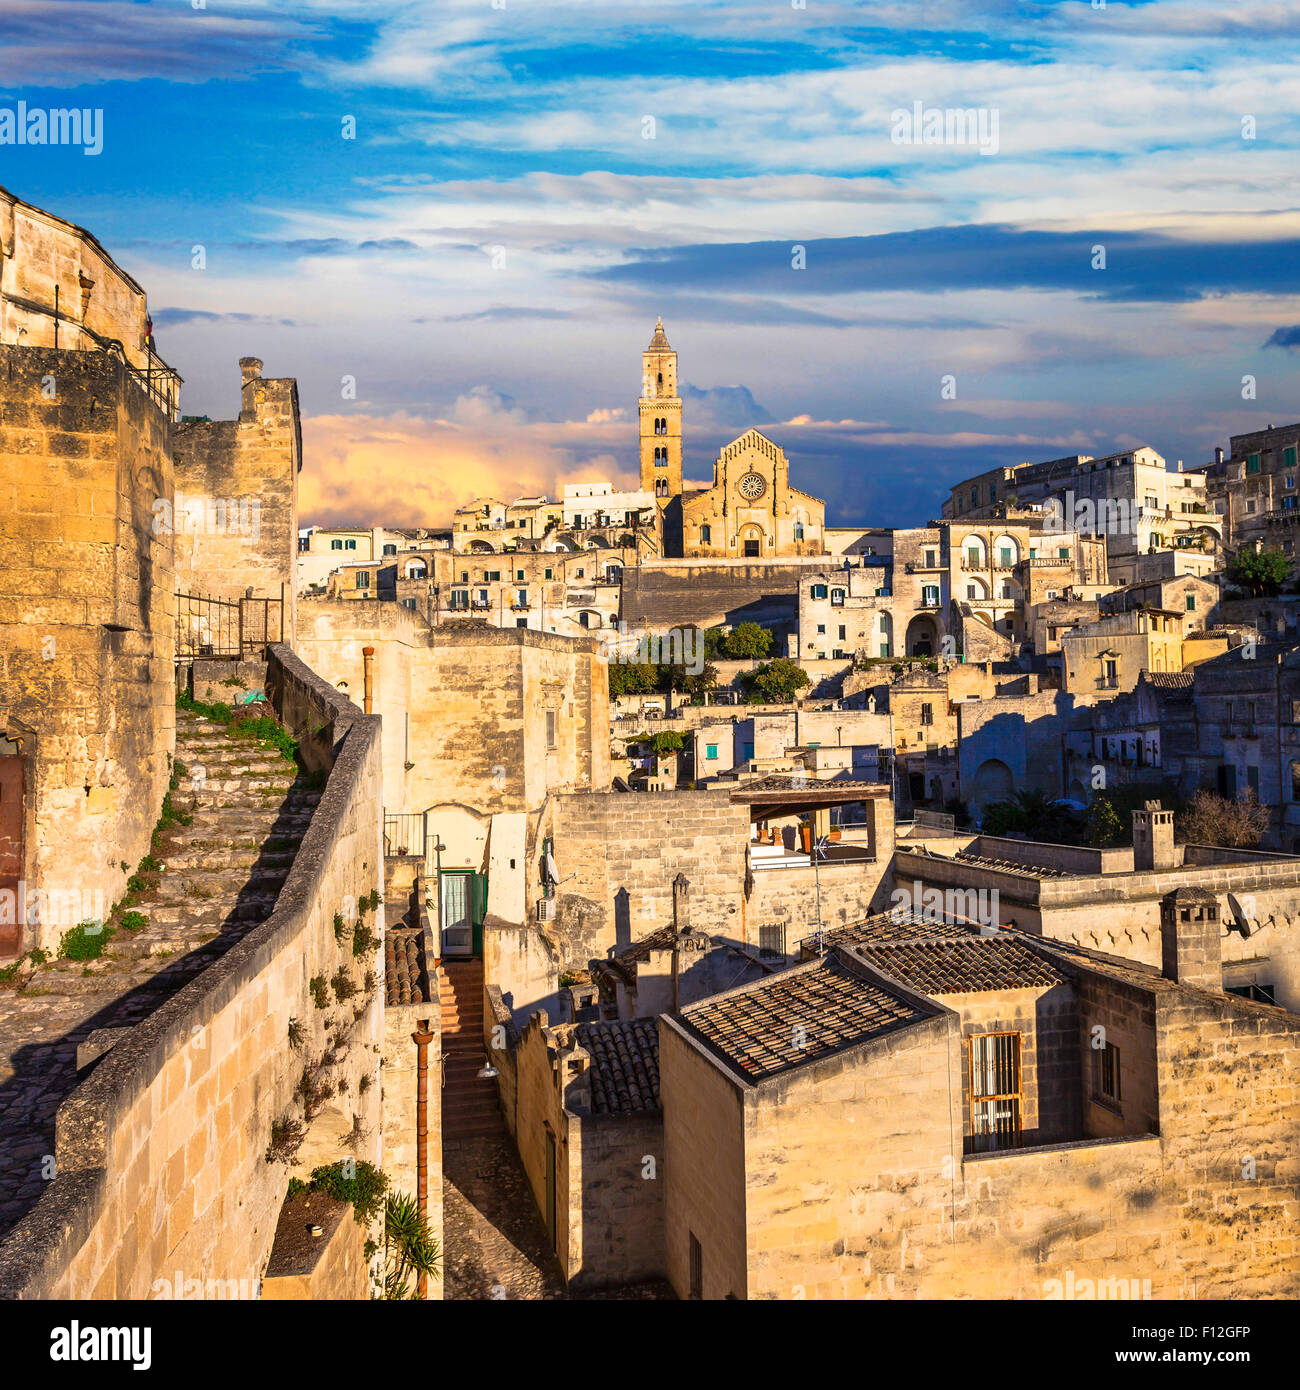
(470, 1109)
(218, 877)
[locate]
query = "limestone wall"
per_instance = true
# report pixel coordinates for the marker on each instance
(623, 850)
(849, 892)
(235, 513)
(86, 624)
(161, 1150)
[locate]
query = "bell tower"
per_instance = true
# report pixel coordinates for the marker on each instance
(661, 420)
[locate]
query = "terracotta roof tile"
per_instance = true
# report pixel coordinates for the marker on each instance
(978, 965)
(799, 1016)
(624, 1065)
(406, 977)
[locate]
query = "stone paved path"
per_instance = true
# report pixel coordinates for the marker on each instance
(220, 876)
(494, 1239)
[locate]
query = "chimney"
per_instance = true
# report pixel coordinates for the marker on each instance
(250, 370)
(1190, 938)
(1153, 839)
(681, 907)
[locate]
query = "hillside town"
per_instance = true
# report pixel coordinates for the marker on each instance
(662, 891)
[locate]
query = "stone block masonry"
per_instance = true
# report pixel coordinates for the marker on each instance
(86, 624)
(161, 1150)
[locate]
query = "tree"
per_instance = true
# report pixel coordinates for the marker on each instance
(1262, 571)
(1105, 828)
(746, 642)
(1215, 820)
(775, 683)
(669, 741)
(410, 1248)
(637, 679)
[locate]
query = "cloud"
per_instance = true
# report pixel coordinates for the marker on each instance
(171, 317)
(1288, 337)
(1139, 266)
(730, 407)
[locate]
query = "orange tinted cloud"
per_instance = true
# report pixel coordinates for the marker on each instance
(400, 470)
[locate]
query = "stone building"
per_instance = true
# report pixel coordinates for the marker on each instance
(959, 1099)
(1131, 498)
(751, 511)
(1255, 488)
(1110, 899)
(589, 1129)
(1109, 655)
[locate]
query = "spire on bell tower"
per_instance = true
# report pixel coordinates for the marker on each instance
(661, 419)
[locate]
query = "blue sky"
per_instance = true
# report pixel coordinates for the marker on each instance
(486, 258)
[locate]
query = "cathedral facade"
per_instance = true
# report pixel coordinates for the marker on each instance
(751, 511)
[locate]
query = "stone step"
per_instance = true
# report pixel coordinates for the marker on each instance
(143, 944)
(211, 914)
(261, 800)
(241, 860)
(203, 885)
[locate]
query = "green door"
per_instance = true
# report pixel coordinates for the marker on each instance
(479, 907)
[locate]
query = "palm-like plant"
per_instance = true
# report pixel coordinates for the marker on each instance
(410, 1247)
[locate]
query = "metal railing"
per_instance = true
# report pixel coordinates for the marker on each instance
(209, 627)
(404, 833)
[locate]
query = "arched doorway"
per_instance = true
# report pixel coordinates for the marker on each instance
(922, 636)
(751, 540)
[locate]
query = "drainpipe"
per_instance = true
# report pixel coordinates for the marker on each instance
(368, 653)
(422, 1037)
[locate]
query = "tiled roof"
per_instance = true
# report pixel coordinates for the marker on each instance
(622, 964)
(793, 782)
(624, 1065)
(406, 978)
(1169, 680)
(1010, 866)
(799, 1016)
(892, 926)
(978, 965)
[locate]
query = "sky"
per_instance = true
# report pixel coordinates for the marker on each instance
(455, 223)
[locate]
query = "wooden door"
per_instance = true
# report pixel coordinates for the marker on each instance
(12, 815)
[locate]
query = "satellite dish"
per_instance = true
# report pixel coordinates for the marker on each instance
(552, 873)
(1240, 922)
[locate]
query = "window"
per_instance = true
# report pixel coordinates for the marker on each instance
(349, 545)
(843, 634)
(519, 576)
(1105, 1074)
(929, 559)
(363, 579)
(1191, 603)
(973, 559)
(696, 1266)
(1262, 994)
(464, 576)
(1250, 505)
(336, 545)
(1004, 556)
(706, 535)
(1112, 671)
(491, 576)
(390, 550)
(819, 591)
(995, 1091)
(522, 598)
(1252, 780)
(1288, 461)
(930, 596)
(550, 728)
(711, 752)
(837, 598)
(1063, 553)
(1151, 503)
(1288, 504)
(1252, 463)
(927, 714)
(972, 591)
(821, 627)
(884, 649)
(771, 939)
(460, 598)
(521, 622)
(580, 574)
(798, 530)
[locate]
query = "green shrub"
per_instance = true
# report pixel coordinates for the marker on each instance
(132, 921)
(319, 987)
(85, 941)
(354, 1181)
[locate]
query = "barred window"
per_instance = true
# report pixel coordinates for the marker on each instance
(995, 1091)
(1105, 1074)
